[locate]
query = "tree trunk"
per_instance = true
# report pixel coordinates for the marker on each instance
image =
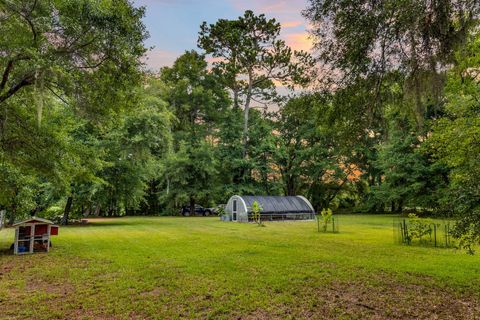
(235, 98)
(66, 212)
(290, 186)
(245, 113)
(400, 206)
(13, 213)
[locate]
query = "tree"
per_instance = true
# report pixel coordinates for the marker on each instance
(454, 142)
(410, 178)
(191, 172)
(73, 61)
(70, 48)
(197, 100)
(370, 39)
(251, 58)
(131, 151)
(309, 153)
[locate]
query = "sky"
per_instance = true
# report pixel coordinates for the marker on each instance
(173, 25)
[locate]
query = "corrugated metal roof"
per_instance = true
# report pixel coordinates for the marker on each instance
(279, 204)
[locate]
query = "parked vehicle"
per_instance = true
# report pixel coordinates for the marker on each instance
(199, 211)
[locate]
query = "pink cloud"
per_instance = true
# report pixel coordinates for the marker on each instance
(299, 41)
(157, 58)
(288, 13)
(291, 24)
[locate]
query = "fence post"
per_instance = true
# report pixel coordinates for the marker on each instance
(333, 225)
(318, 224)
(446, 236)
(435, 233)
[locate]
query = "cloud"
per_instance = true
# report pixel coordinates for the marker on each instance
(299, 41)
(291, 24)
(288, 13)
(157, 58)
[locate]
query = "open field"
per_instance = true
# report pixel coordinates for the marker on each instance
(158, 268)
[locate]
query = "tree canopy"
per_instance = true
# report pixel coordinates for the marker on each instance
(381, 116)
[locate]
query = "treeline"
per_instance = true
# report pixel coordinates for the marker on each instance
(384, 117)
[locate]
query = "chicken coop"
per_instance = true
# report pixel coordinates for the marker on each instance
(33, 235)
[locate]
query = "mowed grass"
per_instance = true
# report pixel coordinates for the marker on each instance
(172, 268)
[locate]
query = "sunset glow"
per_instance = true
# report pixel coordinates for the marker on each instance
(174, 24)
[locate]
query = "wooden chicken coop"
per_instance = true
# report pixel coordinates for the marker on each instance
(33, 235)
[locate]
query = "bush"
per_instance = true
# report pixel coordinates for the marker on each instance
(256, 213)
(419, 227)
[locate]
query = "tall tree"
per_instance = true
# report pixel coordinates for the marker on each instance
(84, 55)
(70, 47)
(197, 100)
(371, 39)
(454, 142)
(410, 178)
(252, 60)
(309, 152)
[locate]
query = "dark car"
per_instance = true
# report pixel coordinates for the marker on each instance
(199, 210)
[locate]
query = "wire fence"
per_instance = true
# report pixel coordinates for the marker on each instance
(331, 225)
(424, 232)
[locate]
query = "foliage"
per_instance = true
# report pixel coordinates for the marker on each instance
(69, 48)
(198, 102)
(368, 35)
(250, 57)
(419, 227)
(326, 214)
(410, 177)
(257, 213)
(454, 143)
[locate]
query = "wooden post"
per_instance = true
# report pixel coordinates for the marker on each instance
(15, 244)
(48, 242)
(435, 233)
(32, 237)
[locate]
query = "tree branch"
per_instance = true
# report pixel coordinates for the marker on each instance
(25, 82)
(5, 74)
(9, 68)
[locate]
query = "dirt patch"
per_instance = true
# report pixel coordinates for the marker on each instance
(378, 298)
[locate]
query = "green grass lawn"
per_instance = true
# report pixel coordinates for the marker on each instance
(170, 267)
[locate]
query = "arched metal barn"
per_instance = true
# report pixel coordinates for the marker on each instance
(277, 208)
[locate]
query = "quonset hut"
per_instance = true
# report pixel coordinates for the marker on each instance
(281, 208)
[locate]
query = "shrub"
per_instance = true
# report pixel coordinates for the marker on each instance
(256, 210)
(419, 227)
(326, 218)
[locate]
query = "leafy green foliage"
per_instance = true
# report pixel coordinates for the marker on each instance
(257, 213)
(198, 102)
(419, 227)
(454, 143)
(326, 215)
(251, 56)
(410, 177)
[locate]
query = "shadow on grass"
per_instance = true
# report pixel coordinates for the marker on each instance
(6, 252)
(111, 222)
